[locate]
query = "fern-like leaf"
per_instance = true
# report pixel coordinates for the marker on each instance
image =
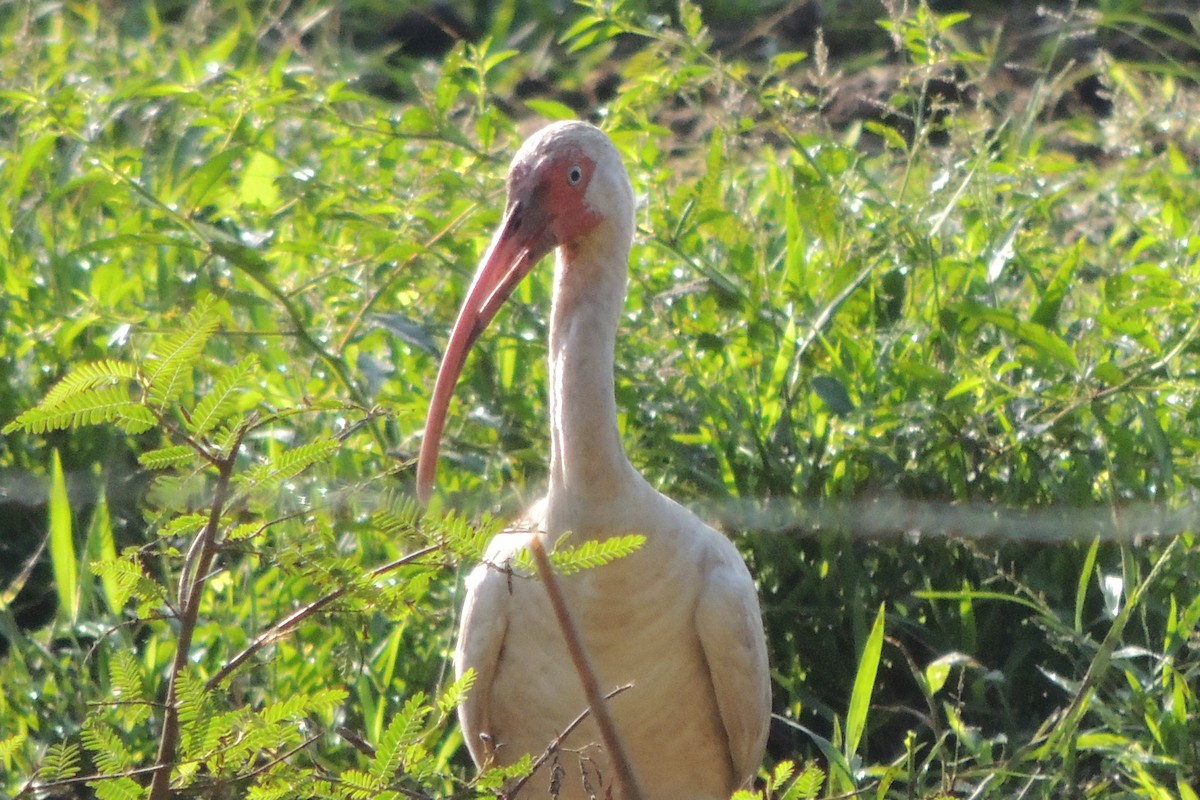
(359, 785)
(807, 785)
(272, 788)
(185, 525)
(453, 694)
(588, 554)
(10, 746)
(217, 404)
(594, 553)
(166, 457)
(244, 531)
(195, 716)
(189, 693)
(496, 777)
(123, 788)
(402, 731)
(301, 705)
(173, 357)
(92, 375)
(128, 687)
(61, 762)
(124, 576)
(291, 463)
(397, 515)
(107, 749)
(87, 407)
(460, 536)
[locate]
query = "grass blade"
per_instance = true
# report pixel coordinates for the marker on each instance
(101, 547)
(62, 545)
(864, 685)
(1085, 578)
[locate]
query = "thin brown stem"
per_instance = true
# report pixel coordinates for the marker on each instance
(630, 789)
(191, 590)
(299, 615)
(556, 744)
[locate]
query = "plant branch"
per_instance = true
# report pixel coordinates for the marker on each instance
(299, 615)
(354, 324)
(556, 744)
(190, 591)
(630, 789)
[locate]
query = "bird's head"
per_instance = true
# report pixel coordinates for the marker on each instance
(566, 187)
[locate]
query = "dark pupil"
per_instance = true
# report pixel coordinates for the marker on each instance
(575, 175)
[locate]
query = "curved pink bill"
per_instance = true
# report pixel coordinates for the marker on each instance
(521, 241)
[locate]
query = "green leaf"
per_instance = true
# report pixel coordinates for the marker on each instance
(257, 186)
(35, 155)
(864, 686)
(106, 747)
(220, 402)
(454, 694)
(123, 577)
(165, 457)
(1085, 580)
(209, 174)
(90, 407)
(60, 763)
(359, 785)
(1050, 303)
(123, 788)
(807, 785)
(834, 393)
(92, 375)
(592, 553)
(11, 745)
(404, 728)
(173, 357)
(398, 515)
(62, 543)
(298, 706)
(87, 396)
(550, 109)
(128, 686)
(290, 463)
(1037, 337)
(102, 547)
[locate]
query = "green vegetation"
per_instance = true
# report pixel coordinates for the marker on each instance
(227, 270)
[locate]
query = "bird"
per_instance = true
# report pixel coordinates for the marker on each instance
(679, 618)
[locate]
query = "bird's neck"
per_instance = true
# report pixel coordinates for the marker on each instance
(588, 466)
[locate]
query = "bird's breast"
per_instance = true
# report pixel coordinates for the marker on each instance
(637, 619)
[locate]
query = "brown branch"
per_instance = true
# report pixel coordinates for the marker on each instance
(630, 789)
(556, 744)
(190, 591)
(279, 758)
(299, 615)
(38, 787)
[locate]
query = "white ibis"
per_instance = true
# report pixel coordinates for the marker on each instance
(678, 619)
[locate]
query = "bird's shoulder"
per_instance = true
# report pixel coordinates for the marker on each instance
(681, 527)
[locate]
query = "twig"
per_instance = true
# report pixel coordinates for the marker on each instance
(190, 592)
(587, 676)
(296, 617)
(34, 786)
(556, 744)
(396, 273)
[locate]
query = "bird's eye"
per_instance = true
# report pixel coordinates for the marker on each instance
(574, 174)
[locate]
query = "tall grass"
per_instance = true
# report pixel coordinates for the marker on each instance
(227, 271)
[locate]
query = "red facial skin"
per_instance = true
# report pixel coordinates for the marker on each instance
(545, 209)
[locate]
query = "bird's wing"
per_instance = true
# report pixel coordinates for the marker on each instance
(731, 634)
(480, 639)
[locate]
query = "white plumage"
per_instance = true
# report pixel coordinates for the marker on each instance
(679, 619)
